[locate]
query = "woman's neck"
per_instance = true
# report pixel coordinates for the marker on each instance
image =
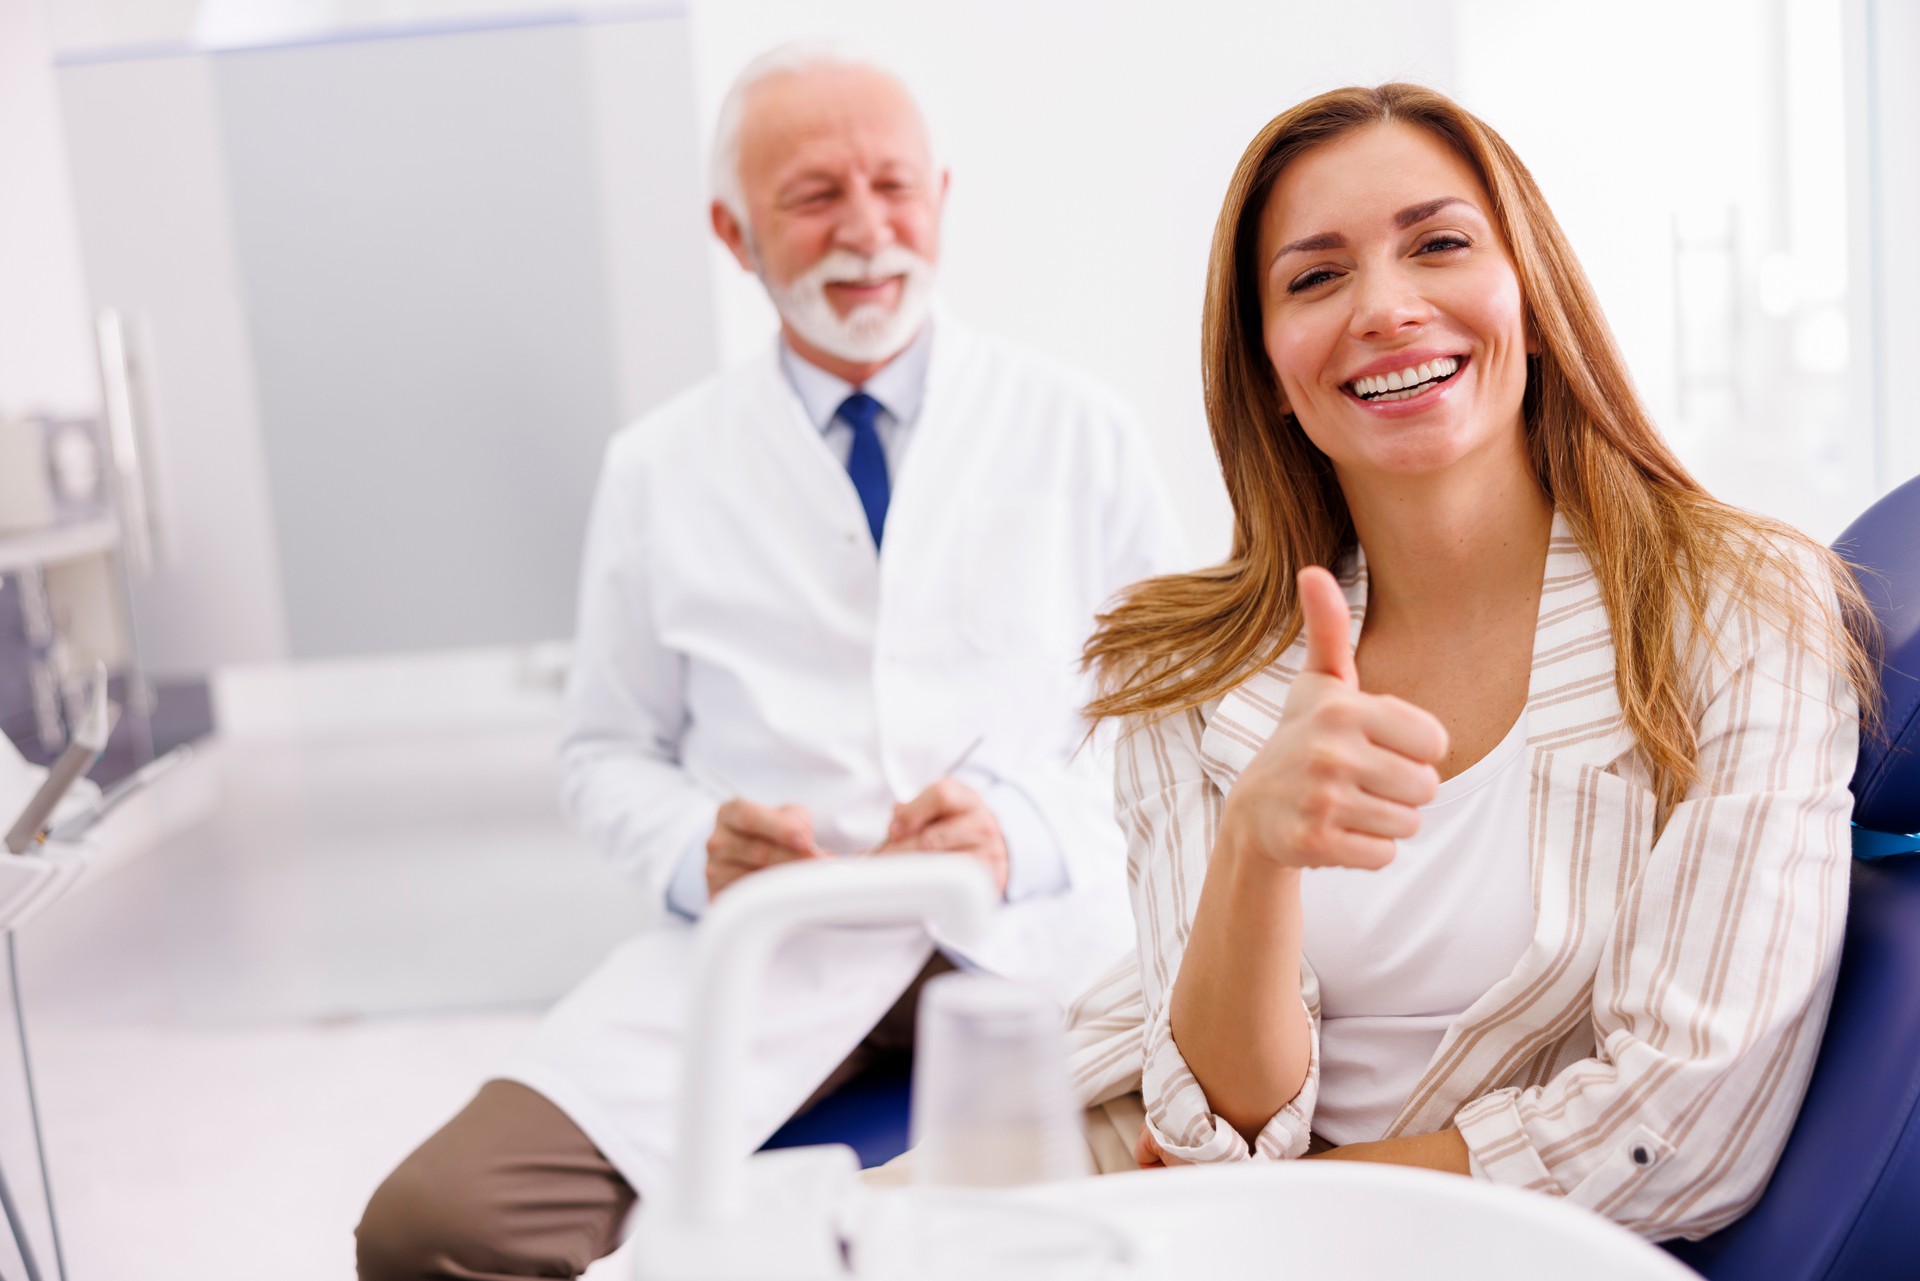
(1439, 551)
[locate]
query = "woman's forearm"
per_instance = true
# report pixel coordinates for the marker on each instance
(1445, 1151)
(1237, 1017)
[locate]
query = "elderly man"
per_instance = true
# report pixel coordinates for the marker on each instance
(832, 603)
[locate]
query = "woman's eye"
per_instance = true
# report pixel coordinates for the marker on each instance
(1443, 242)
(1318, 276)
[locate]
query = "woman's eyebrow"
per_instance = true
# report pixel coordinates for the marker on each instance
(1423, 211)
(1313, 244)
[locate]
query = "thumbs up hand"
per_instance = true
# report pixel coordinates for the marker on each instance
(1345, 774)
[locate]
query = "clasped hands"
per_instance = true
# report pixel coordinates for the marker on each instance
(948, 817)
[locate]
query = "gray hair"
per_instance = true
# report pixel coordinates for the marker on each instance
(786, 59)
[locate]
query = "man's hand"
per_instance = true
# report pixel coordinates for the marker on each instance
(950, 817)
(747, 837)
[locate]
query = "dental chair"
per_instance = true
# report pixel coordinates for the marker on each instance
(1844, 1202)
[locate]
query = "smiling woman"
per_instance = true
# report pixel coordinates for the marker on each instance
(1487, 806)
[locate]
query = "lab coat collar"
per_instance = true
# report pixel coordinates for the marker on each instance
(900, 387)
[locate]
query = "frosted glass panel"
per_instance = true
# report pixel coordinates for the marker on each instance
(455, 263)
(418, 238)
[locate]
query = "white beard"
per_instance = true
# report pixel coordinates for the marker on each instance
(868, 333)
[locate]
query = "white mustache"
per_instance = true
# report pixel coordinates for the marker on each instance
(843, 267)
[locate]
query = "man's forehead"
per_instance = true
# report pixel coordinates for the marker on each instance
(826, 115)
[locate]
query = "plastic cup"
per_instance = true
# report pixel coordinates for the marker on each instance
(992, 1103)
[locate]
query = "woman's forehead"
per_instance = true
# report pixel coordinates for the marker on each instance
(1359, 182)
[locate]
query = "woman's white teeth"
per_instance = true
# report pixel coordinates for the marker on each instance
(1411, 381)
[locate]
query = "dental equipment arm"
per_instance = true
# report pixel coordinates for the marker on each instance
(738, 938)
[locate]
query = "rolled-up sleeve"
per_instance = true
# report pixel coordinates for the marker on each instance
(1712, 991)
(1170, 811)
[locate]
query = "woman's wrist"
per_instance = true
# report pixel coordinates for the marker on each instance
(1251, 868)
(1237, 845)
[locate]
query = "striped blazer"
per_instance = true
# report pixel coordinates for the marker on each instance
(1647, 1055)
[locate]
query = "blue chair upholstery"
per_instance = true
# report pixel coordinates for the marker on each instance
(1844, 1202)
(868, 1114)
(1885, 544)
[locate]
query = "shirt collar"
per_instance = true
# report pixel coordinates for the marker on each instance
(899, 387)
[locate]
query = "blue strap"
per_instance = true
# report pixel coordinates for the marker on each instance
(1869, 844)
(866, 461)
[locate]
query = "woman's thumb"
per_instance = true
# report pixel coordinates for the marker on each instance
(1328, 623)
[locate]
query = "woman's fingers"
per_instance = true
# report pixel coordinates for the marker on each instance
(1367, 815)
(1146, 1153)
(1381, 772)
(1362, 850)
(1400, 726)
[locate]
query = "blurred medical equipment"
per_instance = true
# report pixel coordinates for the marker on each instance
(72, 829)
(706, 1225)
(33, 873)
(800, 1215)
(1841, 1204)
(88, 741)
(26, 491)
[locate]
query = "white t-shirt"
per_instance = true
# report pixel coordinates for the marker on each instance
(1400, 953)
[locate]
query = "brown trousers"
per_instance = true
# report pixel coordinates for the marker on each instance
(510, 1187)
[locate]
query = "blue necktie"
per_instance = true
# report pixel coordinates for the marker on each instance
(866, 461)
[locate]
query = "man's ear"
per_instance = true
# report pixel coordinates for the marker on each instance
(731, 234)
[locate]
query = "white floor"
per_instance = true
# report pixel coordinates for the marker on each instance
(239, 1032)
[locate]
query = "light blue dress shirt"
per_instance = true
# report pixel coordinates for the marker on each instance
(1034, 861)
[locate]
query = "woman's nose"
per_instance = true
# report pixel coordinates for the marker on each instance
(1386, 303)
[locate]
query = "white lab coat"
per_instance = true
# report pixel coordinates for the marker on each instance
(738, 633)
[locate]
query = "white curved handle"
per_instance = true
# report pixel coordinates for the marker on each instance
(739, 935)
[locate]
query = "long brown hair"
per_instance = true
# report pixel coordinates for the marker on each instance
(1657, 541)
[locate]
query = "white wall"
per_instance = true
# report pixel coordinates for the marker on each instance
(1090, 142)
(1693, 152)
(1886, 266)
(46, 343)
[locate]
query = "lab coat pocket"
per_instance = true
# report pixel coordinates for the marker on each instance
(1017, 584)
